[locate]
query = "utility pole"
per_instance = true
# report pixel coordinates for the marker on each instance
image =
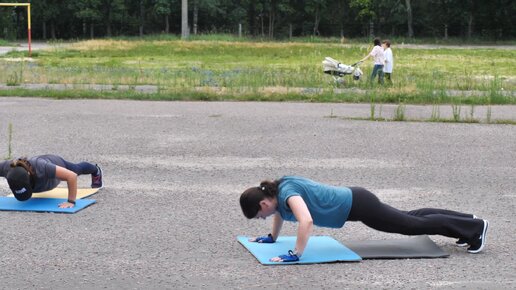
(184, 19)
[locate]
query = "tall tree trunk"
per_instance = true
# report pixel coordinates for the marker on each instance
(108, 21)
(92, 30)
(52, 29)
(261, 19)
(472, 7)
(184, 19)
(251, 17)
(409, 18)
(167, 24)
(271, 19)
(44, 30)
(470, 24)
(317, 20)
(195, 15)
(273, 22)
(142, 16)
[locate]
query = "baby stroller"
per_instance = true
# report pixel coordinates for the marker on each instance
(338, 70)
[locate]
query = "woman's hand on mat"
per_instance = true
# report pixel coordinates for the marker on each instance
(264, 239)
(290, 257)
(66, 205)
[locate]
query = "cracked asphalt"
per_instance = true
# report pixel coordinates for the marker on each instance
(168, 216)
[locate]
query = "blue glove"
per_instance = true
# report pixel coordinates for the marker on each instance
(265, 239)
(290, 257)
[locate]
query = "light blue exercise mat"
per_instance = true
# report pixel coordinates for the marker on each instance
(42, 205)
(320, 249)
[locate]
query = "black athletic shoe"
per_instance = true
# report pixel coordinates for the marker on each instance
(463, 242)
(477, 245)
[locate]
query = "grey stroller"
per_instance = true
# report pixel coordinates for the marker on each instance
(338, 70)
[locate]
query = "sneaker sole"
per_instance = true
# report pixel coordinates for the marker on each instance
(465, 244)
(484, 232)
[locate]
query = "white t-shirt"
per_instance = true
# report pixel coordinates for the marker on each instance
(378, 56)
(389, 60)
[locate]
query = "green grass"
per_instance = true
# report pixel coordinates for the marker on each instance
(462, 121)
(220, 67)
(318, 39)
(4, 42)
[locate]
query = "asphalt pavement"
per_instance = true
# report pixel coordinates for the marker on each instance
(169, 215)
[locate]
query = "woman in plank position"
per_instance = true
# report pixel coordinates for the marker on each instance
(45, 172)
(308, 202)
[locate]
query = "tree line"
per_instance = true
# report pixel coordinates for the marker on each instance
(275, 19)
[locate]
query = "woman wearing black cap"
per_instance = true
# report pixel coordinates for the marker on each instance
(45, 172)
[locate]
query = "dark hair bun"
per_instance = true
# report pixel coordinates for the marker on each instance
(269, 188)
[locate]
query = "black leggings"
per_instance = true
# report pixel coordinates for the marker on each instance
(368, 209)
(81, 168)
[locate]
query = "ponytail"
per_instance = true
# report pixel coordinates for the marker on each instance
(24, 163)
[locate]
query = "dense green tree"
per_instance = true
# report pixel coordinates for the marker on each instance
(88, 12)
(366, 14)
(266, 18)
(315, 8)
(49, 12)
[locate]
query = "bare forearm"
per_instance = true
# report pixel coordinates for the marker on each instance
(71, 179)
(303, 234)
(277, 223)
(72, 188)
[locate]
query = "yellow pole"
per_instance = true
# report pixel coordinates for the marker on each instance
(28, 30)
(14, 4)
(28, 21)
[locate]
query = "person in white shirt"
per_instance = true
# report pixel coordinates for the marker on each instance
(389, 60)
(379, 61)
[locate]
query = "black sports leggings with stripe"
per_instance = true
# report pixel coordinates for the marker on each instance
(368, 209)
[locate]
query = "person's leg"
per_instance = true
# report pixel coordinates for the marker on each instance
(461, 242)
(373, 74)
(82, 168)
(388, 78)
(429, 211)
(380, 74)
(368, 209)
(87, 168)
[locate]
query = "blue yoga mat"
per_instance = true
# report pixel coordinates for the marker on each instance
(42, 204)
(320, 249)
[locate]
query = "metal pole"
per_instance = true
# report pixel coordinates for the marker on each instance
(28, 21)
(29, 30)
(184, 19)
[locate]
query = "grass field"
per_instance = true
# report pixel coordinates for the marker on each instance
(213, 69)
